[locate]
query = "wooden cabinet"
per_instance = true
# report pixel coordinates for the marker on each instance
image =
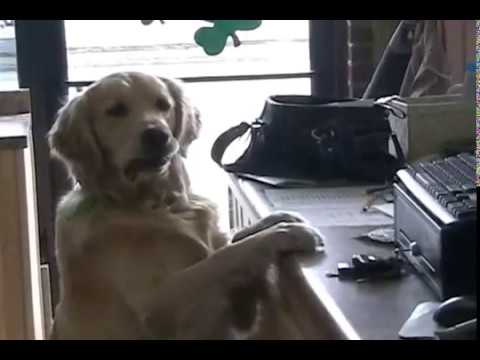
(21, 301)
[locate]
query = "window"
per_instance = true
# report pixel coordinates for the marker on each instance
(278, 48)
(8, 56)
(96, 47)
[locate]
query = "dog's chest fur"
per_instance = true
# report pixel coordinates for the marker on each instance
(109, 247)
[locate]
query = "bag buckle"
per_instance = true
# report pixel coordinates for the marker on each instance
(257, 123)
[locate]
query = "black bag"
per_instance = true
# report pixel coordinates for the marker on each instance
(312, 138)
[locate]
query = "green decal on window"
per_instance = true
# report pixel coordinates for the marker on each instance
(213, 39)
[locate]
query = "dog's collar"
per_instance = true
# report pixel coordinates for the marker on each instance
(174, 201)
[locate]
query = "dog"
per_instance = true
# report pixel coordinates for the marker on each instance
(139, 255)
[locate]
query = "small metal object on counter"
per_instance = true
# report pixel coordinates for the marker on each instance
(365, 267)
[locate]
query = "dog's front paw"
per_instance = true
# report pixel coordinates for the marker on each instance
(294, 237)
(268, 222)
(284, 216)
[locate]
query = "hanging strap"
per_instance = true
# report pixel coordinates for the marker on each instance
(223, 142)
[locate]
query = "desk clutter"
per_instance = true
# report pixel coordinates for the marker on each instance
(363, 262)
(333, 163)
(365, 267)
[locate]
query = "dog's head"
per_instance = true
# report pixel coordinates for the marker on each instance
(124, 126)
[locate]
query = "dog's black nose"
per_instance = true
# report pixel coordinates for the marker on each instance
(154, 139)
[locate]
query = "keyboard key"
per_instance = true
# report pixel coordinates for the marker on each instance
(451, 181)
(433, 186)
(462, 197)
(467, 171)
(440, 175)
(470, 203)
(424, 179)
(447, 199)
(453, 173)
(439, 191)
(463, 213)
(454, 205)
(469, 159)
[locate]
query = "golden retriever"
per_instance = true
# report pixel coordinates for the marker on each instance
(139, 255)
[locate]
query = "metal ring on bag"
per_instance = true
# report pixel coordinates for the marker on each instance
(386, 103)
(258, 123)
(395, 111)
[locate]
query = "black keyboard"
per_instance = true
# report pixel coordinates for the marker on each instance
(451, 181)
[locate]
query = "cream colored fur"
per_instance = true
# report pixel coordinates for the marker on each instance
(139, 255)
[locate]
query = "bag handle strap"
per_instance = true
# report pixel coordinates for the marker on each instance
(398, 149)
(224, 140)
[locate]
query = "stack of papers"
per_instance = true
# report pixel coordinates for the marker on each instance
(337, 206)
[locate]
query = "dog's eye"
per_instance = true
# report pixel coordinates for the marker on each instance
(162, 104)
(118, 110)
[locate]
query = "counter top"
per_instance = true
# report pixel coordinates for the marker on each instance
(14, 131)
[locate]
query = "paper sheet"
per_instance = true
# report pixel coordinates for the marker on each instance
(280, 182)
(340, 206)
(387, 209)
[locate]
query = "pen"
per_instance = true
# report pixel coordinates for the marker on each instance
(369, 202)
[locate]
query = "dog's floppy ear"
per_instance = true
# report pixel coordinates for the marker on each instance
(72, 141)
(187, 117)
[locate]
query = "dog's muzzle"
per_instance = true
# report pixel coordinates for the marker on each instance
(154, 140)
(157, 148)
